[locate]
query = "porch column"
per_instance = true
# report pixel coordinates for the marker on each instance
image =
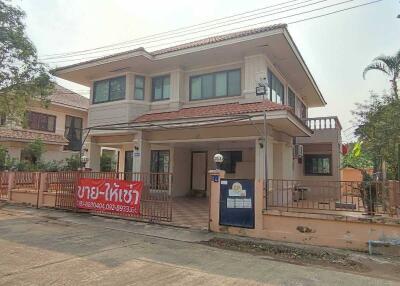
(141, 156)
(260, 149)
(94, 156)
(260, 160)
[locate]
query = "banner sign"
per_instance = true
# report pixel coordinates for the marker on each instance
(109, 195)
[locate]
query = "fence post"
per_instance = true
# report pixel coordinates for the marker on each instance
(43, 186)
(10, 184)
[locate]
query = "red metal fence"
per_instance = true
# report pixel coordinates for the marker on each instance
(4, 185)
(155, 203)
(373, 198)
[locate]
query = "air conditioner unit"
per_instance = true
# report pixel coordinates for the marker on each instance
(298, 151)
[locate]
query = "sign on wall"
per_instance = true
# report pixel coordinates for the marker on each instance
(109, 195)
(236, 203)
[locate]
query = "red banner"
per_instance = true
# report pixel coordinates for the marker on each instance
(109, 195)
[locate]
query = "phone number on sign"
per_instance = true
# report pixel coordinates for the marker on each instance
(107, 207)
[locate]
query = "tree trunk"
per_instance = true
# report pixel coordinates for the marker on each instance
(394, 86)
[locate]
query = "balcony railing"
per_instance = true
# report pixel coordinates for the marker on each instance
(323, 123)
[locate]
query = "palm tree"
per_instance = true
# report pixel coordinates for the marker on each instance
(390, 65)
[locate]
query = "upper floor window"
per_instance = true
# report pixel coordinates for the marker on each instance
(214, 85)
(303, 110)
(139, 87)
(161, 88)
(291, 99)
(73, 132)
(276, 89)
(109, 90)
(41, 121)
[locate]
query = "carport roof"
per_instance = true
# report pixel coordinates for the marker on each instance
(212, 111)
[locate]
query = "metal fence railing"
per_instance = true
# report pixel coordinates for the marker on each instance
(155, 203)
(4, 185)
(27, 181)
(372, 197)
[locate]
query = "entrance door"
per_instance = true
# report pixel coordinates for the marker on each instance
(199, 171)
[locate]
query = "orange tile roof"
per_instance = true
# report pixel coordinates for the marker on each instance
(220, 38)
(227, 109)
(29, 135)
(67, 97)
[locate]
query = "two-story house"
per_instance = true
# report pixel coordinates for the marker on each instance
(171, 110)
(59, 126)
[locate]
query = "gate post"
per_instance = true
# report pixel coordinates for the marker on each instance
(43, 186)
(214, 203)
(10, 185)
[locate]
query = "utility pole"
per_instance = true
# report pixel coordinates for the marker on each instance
(261, 89)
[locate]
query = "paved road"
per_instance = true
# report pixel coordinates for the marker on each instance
(44, 247)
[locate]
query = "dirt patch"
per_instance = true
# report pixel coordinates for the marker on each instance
(292, 254)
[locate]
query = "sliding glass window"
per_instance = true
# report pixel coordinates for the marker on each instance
(276, 89)
(161, 88)
(214, 85)
(139, 87)
(109, 90)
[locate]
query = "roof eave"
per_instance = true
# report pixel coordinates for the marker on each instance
(304, 65)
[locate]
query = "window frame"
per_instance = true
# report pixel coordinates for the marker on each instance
(318, 156)
(162, 91)
(157, 161)
(291, 92)
(141, 88)
(68, 147)
(214, 84)
(41, 114)
(232, 169)
(270, 74)
(108, 80)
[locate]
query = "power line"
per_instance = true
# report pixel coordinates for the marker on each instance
(239, 28)
(166, 35)
(176, 30)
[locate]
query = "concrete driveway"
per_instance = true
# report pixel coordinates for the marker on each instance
(47, 247)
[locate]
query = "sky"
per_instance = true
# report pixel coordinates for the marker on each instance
(336, 48)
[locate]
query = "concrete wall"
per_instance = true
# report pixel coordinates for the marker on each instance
(350, 174)
(326, 141)
(52, 152)
(315, 229)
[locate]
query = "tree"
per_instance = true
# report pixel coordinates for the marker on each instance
(3, 157)
(22, 77)
(33, 151)
(389, 65)
(357, 158)
(379, 129)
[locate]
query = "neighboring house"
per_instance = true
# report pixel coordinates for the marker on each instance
(171, 110)
(59, 126)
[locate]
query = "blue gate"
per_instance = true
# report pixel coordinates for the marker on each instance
(236, 203)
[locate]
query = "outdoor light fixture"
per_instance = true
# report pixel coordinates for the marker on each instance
(84, 159)
(218, 159)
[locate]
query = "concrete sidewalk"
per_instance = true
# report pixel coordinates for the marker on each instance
(47, 247)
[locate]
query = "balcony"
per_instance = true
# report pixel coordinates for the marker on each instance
(323, 123)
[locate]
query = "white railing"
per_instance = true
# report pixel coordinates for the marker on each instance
(322, 123)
